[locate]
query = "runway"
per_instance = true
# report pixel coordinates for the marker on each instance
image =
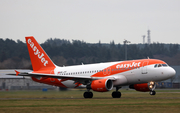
(166, 101)
(89, 98)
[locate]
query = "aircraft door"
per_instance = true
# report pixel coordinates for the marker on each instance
(144, 67)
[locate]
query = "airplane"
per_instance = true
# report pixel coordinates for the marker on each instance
(140, 75)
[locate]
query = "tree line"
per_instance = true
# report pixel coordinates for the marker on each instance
(14, 54)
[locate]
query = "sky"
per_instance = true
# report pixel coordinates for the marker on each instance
(91, 20)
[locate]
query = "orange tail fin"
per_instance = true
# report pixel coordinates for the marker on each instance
(39, 59)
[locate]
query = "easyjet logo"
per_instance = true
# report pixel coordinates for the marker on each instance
(37, 53)
(134, 64)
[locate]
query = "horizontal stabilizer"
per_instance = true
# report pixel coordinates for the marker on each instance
(17, 72)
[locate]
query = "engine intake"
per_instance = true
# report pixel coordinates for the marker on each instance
(102, 85)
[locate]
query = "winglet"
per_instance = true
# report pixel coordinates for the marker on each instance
(17, 72)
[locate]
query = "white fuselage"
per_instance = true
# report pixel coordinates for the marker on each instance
(124, 75)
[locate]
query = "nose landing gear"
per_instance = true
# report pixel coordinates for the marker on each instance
(152, 92)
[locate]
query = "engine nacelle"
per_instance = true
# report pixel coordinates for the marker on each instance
(150, 86)
(102, 85)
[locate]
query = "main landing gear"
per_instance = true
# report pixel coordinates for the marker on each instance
(116, 94)
(88, 94)
(152, 92)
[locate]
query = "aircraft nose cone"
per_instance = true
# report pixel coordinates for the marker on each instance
(172, 72)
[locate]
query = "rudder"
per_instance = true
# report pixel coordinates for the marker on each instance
(39, 58)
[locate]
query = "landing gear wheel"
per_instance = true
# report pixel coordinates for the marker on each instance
(152, 92)
(88, 95)
(116, 94)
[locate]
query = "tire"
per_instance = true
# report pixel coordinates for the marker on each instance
(152, 92)
(88, 95)
(116, 94)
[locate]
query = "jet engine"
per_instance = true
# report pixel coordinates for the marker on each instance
(101, 85)
(150, 86)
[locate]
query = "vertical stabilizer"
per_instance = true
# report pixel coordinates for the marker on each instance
(39, 59)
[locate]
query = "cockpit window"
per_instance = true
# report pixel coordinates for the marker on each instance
(160, 65)
(164, 65)
(155, 66)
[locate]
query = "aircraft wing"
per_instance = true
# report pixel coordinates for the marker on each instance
(30, 74)
(51, 75)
